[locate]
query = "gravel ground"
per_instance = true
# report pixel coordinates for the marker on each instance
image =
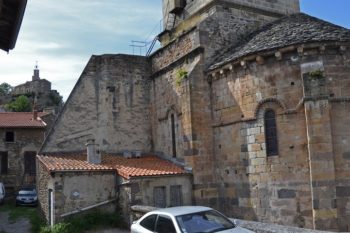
(21, 225)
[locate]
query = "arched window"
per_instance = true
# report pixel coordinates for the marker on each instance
(271, 133)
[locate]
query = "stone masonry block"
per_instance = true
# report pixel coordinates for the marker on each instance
(258, 161)
(343, 191)
(286, 193)
(346, 155)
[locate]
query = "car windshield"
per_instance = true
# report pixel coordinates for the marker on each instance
(206, 221)
(27, 192)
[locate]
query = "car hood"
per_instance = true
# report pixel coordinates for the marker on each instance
(236, 230)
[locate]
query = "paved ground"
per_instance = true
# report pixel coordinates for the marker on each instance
(21, 225)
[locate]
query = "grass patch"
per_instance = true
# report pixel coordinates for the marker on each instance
(30, 213)
(83, 223)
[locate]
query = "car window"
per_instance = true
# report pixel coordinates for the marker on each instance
(149, 222)
(207, 221)
(165, 225)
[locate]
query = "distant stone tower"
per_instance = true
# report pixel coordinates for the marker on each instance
(36, 75)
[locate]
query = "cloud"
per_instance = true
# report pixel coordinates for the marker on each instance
(62, 35)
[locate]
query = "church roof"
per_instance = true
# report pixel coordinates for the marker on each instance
(21, 120)
(125, 167)
(290, 30)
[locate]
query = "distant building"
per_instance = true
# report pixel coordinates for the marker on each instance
(21, 137)
(39, 91)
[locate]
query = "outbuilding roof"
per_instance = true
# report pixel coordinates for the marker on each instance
(125, 167)
(21, 120)
(290, 30)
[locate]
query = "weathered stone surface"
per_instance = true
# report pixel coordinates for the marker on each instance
(113, 109)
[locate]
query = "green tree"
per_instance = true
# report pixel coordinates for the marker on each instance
(5, 89)
(20, 104)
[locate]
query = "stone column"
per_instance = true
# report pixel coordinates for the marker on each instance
(320, 147)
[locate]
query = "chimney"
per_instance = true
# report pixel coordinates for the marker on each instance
(35, 115)
(93, 152)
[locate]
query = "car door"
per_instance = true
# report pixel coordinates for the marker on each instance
(165, 224)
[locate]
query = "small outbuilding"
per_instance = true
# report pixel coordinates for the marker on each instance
(70, 183)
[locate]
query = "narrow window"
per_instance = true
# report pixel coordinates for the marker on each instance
(176, 195)
(3, 162)
(29, 162)
(9, 136)
(173, 135)
(271, 133)
(159, 197)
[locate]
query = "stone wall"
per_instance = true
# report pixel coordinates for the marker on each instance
(140, 191)
(173, 52)
(74, 191)
(278, 189)
(260, 187)
(26, 140)
(110, 103)
(42, 185)
(341, 138)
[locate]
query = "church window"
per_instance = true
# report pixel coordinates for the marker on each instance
(173, 135)
(271, 133)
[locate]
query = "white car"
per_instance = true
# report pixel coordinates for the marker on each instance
(2, 193)
(185, 219)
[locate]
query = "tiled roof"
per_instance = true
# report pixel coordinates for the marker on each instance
(127, 168)
(290, 30)
(21, 120)
(71, 162)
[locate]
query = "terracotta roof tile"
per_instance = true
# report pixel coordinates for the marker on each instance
(21, 120)
(127, 168)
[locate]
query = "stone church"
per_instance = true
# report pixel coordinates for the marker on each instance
(251, 99)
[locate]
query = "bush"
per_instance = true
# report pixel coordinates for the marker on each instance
(83, 223)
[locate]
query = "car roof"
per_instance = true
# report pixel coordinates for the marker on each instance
(182, 210)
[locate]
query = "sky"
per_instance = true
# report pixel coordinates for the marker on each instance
(62, 35)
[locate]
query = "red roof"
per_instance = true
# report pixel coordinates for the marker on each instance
(127, 168)
(21, 120)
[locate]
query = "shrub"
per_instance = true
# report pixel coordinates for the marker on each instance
(83, 223)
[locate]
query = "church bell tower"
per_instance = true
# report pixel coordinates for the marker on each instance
(177, 11)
